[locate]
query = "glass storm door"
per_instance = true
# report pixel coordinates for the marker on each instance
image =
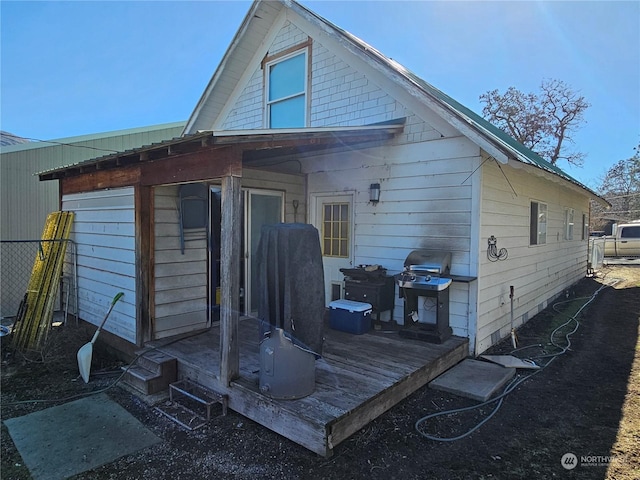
(261, 208)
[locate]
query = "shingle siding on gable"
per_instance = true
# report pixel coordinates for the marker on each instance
(287, 37)
(340, 95)
(247, 113)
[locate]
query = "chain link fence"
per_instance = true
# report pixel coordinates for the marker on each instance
(17, 258)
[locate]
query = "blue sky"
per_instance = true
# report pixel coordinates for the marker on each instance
(73, 68)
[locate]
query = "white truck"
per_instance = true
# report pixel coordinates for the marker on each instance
(624, 241)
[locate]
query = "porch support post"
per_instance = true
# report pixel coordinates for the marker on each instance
(230, 276)
(144, 266)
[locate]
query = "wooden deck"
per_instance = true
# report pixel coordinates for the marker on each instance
(358, 378)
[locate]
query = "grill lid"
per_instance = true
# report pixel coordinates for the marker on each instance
(430, 261)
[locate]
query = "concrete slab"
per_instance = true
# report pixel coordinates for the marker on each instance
(69, 439)
(473, 379)
(511, 361)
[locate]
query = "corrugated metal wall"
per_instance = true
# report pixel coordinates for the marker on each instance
(25, 201)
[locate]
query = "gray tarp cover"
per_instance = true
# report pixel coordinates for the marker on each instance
(291, 282)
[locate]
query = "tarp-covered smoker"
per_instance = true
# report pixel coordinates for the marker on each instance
(291, 308)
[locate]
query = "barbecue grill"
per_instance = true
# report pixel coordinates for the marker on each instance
(425, 278)
(424, 270)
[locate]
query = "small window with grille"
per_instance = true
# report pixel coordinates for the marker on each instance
(335, 230)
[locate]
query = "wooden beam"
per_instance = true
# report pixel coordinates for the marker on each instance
(190, 167)
(144, 242)
(230, 276)
(99, 180)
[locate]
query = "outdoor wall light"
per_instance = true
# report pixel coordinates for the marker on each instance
(374, 193)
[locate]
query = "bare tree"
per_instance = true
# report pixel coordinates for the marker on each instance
(621, 188)
(543, 122)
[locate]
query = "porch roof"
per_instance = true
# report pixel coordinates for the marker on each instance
(256, 146)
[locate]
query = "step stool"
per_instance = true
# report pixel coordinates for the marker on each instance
(183, 415)
(200, 394)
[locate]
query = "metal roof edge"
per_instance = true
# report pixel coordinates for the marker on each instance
(399, 123)
(88, 137)
(397, 126)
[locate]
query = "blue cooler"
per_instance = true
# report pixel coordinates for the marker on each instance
(350, 316)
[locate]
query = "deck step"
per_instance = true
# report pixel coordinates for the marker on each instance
(156, 361)
(185, 398)
(152, 373)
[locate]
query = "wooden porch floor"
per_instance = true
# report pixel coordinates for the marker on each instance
(358, 378)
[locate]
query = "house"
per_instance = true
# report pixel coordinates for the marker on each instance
(296, 124)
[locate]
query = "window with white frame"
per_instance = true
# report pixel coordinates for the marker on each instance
(286, 91)
(569, 214)
(538, 224)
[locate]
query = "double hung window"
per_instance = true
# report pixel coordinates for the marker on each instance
(286, 91)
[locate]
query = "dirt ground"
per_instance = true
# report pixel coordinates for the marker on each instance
(585, 403)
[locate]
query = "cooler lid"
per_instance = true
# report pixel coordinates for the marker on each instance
(350, 305)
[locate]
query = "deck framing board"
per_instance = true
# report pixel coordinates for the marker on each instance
(346, 426)
(358, 378)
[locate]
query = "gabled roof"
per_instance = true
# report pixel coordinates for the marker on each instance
(261, 17)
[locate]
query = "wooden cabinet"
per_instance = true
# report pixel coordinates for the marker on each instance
(380, 293)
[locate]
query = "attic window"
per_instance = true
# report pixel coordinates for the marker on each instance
(286, 91)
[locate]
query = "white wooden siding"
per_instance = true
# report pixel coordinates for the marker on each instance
(104, 232)
(539, 273)
(180, 303)
(426, 201)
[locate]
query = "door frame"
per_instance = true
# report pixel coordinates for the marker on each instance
(331, 265)
(245, 255)
(248, 231)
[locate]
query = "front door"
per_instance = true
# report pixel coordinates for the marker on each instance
(333, 217)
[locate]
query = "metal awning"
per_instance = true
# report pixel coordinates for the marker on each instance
(256, 146)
